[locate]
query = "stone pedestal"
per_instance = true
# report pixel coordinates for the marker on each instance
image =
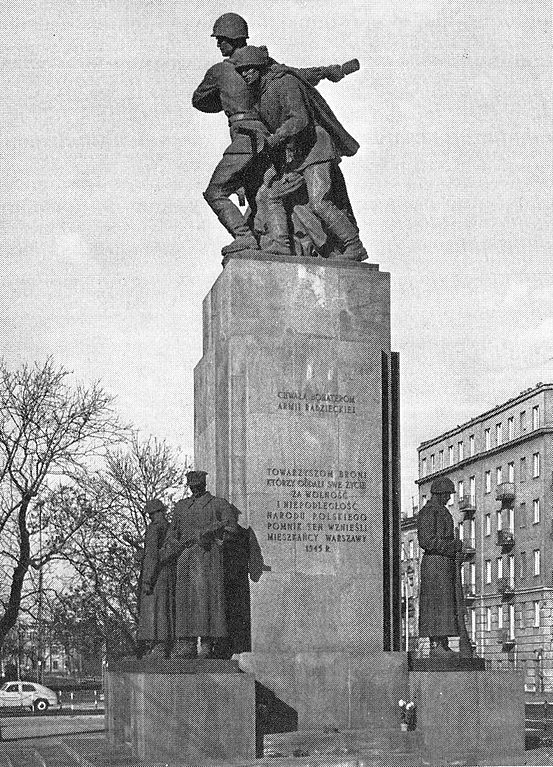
(296, 421)
(198, 712)
(471, 716)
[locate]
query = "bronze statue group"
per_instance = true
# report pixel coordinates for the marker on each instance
(194, 594)
(284, 155)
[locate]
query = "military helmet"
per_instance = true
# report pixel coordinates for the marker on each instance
(230, 25)
(195, 478)
(250, 56)
(442, 485)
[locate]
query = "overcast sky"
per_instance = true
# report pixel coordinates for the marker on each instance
(108, 247)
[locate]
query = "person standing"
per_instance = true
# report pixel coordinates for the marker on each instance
(155, 614)
(439, 612)
(195, 540)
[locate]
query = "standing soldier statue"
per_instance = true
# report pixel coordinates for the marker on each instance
(244, 161)
(441, 601)
(195, 539)
(155, 587)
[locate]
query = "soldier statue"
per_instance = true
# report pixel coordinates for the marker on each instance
(441, 603)
(306, 143)
(195, 540)
(155, 615)
(245, 160)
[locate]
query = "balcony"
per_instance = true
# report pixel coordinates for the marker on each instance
(505, 492)
(469, 590)
(505, 539)
(467, 504)
(505, 639)
(469, 547)
(506, 587)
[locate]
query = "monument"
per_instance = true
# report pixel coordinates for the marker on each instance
(297, 426)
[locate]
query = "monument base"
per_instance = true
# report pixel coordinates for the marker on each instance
(323, 689)
(189, 716)
(470, 715)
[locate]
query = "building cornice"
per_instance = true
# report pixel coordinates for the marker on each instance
(486, 453)
(522, 397)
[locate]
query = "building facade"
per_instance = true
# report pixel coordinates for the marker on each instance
(501, 464)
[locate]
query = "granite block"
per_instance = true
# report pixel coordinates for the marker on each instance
(470, 715)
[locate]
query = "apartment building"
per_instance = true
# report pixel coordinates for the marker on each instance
(501, 463)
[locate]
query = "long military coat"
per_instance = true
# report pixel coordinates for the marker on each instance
(437, 616)
(195, 537)
(155, 619)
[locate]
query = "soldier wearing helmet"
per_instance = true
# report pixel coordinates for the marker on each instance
(438, 617)
(306, 139)
(244, 162)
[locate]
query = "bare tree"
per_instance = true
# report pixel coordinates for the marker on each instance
(106, 552)
(49, 431)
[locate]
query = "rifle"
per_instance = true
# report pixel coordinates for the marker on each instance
(465, 646)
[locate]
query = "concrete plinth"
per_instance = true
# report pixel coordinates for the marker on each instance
(295, 421)
(470, 715)
(200, 718)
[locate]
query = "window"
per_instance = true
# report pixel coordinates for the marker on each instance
(450, 455)
(522, 421)
(499, 568)
(472, 489)
(28, 688)
(523, 469)
(55, 665)
(488, 618)
(488, 524)
(411, 549)
(487, 439)
(472, 575)
(432, 463)
(511, 428)
(488, 570)
(488, 481)
(423, 467)
(403, 552)
(537, 562)
(500, 617)
(537, 614)
(498, 475)
(471, 444)
(460, 488)
(472, 532)
(511, 518)
(522, 514)
(441, 459)
(522, 568)
(511, 570)
(498, 434)
(536, 510)
(511, 621)
(511, 472)
(473, 622)
(12, 688)
(499, 519)
(536, 417)
(521, 615)
(460, 450)
(536, 465)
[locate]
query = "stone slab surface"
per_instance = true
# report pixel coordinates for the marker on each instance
(470, 715)
(199, 718)
(257, 255)
(333, 690)
(288, 423)
(175, 666)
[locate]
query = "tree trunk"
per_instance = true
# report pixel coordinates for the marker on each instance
(9, 619)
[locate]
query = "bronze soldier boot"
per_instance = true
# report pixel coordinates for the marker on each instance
(233, 221)
(344, 229)
(278, 237)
